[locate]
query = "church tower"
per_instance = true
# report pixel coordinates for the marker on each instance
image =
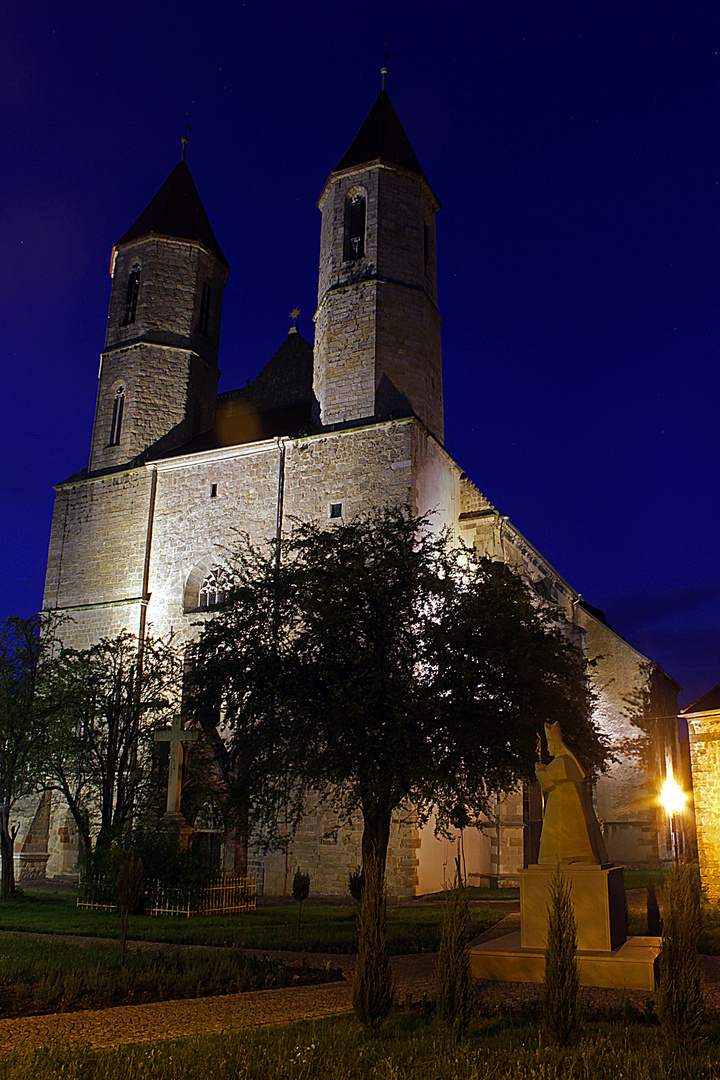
(159, 371)
(377, 339)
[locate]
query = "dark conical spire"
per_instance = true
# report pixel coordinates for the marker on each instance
(381, 138)
(176, 210)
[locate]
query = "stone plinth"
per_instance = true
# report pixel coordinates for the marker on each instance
(598, 897)
(32, 865)
(630, 967)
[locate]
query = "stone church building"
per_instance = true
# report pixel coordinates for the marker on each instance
(323, 432)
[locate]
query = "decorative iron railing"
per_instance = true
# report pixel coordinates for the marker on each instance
(221, 894)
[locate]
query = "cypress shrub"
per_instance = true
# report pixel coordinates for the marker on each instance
(562, 971)
(454, 981)
(654, 922)
(680, 999)
(301, 891)
(373, 987)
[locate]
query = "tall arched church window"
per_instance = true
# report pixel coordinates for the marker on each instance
(117, 417)
(215, 588)
(204, 320)
(131, 296)
(354, 240)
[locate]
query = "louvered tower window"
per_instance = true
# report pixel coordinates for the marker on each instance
(131, 297)
(354, 246)
(204, 320)
(117, 417)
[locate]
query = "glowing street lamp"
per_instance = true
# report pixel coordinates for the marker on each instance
(673, 800)
(672, 797)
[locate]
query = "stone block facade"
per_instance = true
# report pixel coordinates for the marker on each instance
(704, 735)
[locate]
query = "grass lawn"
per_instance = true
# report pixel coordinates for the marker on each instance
(324, 927)
(408, 1047)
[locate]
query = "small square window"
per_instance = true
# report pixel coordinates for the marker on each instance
(336, 510)
(213, 491)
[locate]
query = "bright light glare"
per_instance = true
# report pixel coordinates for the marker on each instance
(672, 797)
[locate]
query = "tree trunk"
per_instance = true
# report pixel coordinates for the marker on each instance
(7, 844)
(376, 834)
(242, 830)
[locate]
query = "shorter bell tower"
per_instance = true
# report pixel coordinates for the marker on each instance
(159, 370)
(377, 340)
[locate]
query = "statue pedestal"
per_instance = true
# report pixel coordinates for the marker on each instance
(598, 897)
(631, 967)
(606, 957)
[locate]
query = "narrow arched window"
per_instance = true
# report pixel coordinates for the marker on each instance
(131, 297)
(354, 240)
(215, 588)
(204, 320)
(117, 417)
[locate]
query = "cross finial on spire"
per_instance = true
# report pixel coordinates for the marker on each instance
(184, 139)
(384, 68)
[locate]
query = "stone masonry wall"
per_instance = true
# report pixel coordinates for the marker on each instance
(167, 390)
(704, 734)
(96, 555)
(377, 341)
(166, 367)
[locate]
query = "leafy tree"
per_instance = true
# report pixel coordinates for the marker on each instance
(27, 710)
(234, 674)
(378, 663)
(115, 695)
(424, 673)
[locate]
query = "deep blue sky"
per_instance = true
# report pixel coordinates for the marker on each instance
(575, 148)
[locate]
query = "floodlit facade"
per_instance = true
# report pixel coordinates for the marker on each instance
(139, 537)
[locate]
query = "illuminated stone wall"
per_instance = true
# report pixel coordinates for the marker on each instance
(96, 555)
(377, 329)
(167, 369)
(704, 731)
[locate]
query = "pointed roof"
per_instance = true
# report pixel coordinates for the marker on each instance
(709, 702)
(381, 138)
(176, 210)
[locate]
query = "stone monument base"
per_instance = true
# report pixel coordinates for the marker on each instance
(630, 967)
(598, 898)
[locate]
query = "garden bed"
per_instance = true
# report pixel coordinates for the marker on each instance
(46, 976)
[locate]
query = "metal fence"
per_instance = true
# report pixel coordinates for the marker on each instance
(222, 894)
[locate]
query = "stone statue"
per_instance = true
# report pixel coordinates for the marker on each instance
(570, 832)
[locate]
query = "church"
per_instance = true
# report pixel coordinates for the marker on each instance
(323, 432)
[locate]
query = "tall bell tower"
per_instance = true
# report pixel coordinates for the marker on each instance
(159, 371)
(377, 340)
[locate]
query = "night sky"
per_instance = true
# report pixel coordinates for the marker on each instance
(576, 151)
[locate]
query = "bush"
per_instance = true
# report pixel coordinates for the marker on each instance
(355, 884)
(130, 884)
(373, 987)
(454, 982)
(301, 891)
(680, 1000)
(562, 972)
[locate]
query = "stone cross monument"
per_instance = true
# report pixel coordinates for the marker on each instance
(177, 736)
